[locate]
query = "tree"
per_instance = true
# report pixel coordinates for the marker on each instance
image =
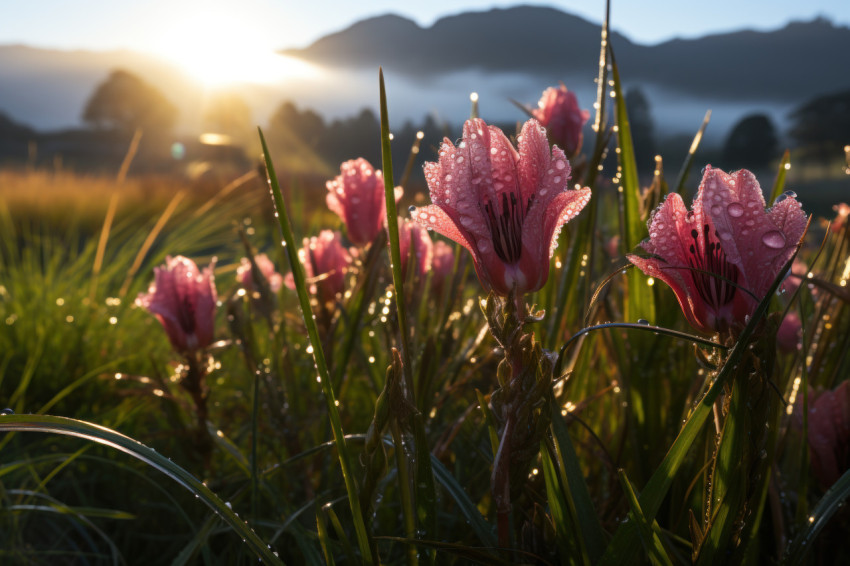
(822, 125)
(307, 126)
(125, 102)
(752, 143)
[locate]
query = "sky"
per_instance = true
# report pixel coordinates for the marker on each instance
(147, 25)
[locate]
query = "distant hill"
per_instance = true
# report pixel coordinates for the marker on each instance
(789, 64)
(503, 54)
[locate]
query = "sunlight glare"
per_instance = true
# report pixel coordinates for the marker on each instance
(219, 49)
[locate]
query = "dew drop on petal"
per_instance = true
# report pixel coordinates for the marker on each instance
(559, 165)
(735, 210)
(773, 239)
(716, 210)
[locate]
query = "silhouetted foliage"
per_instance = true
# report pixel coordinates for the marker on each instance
(307, 125)
(752, 143)
(125, 102)
(643, 130)
(822, 126)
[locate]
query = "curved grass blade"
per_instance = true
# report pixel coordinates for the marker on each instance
(563, 513)
(191, 550)
(829, 504)
(113, 439)
(651, 543)
(483, 529)
(568, 466)
(318, 355)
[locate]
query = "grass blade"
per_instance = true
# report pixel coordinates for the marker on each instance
(107, 437)
(830, 503)
(318, 355)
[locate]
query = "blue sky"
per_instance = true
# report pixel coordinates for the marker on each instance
(138, 24)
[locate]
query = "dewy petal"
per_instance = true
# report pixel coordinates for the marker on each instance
(680, 282)
(184, 301)
(758, 242)
(501, 204)
(356, 195)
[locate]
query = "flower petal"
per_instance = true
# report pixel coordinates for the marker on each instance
(755, 241)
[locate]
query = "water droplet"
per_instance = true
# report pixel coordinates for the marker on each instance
(774, 239)
(716, 210)
(411, 208)
(790, 194)
(735, 210)
(7, 411)
(643, 321)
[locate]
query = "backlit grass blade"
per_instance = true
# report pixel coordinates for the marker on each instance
(831, 502)
(779, 184)
(425, 491)
(107, 437)
(689, 159)
(572, 478)
(563, 515)
(651, 543)
(626, 543)
(483, 530)
(318, 355)
(640, 302)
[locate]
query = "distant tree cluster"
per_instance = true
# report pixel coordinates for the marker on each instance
(125, 102)
(295, 132)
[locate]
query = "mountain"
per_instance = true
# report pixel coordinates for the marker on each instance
(786, 65)
(502, 54)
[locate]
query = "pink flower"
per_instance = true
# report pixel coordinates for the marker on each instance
(184, 301)
(442, 265)
(356, 195)
(829, 434)
(325, 262)
(558, 110)
(505, 207)
(412, 233)
(842, 211)
(789, 333)
(243, 273)
(721, 258)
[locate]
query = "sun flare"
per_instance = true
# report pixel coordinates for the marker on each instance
(219, 50)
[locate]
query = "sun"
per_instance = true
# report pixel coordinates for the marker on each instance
(219, 49)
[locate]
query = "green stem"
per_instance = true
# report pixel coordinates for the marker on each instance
(318, 355)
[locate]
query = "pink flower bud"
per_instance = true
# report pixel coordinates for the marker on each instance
(356, 195)
(325, 262)
(790, 332)
(558, 110)
(412, 233)
(829, 434)
(184, 301)
(243, 273)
